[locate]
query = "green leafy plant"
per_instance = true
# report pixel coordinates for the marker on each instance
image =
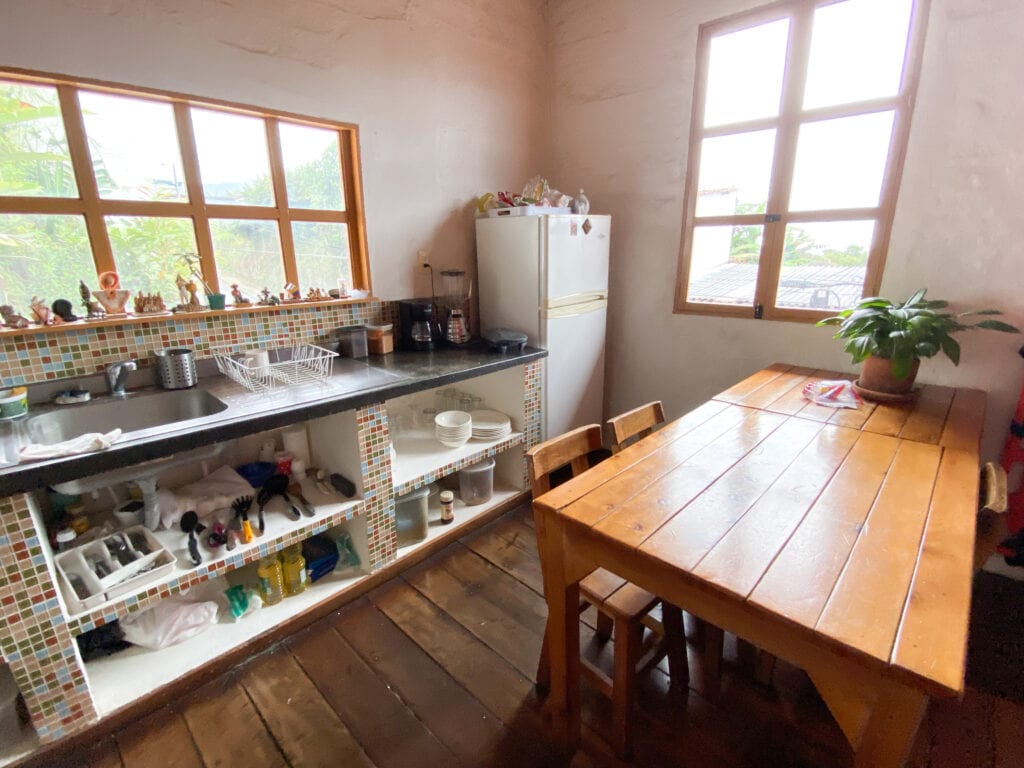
(908, 330)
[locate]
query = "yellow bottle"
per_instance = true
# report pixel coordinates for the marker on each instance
(294, 566)
(271, 580)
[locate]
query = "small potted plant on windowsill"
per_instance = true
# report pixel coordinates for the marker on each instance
(890, 338)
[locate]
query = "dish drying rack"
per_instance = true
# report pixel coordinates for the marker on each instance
(298, 365)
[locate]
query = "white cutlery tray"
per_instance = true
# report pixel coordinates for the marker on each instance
(122, 579)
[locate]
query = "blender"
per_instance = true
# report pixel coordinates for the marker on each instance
(453, 306)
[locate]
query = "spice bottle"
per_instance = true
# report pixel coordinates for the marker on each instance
(447, 507)
(271, 580)
(293, 565)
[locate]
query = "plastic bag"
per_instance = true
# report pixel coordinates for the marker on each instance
(835, 393)
(168, 623)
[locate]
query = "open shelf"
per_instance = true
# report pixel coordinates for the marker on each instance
(463, 515)
(420, 459)
(281, 530)
(118, 680)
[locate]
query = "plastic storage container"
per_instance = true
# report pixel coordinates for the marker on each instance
(352, 341)
(476, 483)
(411, 516)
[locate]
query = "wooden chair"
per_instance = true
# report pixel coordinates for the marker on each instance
(637, 423)
(623, 608)
(992, 503)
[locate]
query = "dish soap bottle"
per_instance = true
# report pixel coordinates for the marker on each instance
(293, 565)
(271, 580)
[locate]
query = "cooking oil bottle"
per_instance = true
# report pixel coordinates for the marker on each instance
(271, 580)
(294, 566)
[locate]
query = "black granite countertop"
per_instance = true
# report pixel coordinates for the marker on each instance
(375, 379)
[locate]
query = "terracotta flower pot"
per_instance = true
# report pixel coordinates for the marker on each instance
(876, 376)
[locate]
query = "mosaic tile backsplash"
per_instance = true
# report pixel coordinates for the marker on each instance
(37, 357)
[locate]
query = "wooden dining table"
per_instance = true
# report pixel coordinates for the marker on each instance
(840, 540)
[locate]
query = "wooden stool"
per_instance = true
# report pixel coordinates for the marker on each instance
(623, 608)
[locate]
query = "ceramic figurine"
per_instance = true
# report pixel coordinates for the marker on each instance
(267, 299)
(11, 318)
(41, 311)
(239, 299)
(62, 308)
(182, 290)
(114, 300)
(92, 308)
(581, 204)
(149, 303)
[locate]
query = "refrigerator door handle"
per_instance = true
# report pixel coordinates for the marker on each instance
(578, 308)
(574, 298)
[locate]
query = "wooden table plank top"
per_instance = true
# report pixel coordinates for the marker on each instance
(839, 539)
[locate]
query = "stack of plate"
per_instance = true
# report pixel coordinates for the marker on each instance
(453, 428)
(490, 425)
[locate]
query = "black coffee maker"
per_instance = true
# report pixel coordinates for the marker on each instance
(416, 328)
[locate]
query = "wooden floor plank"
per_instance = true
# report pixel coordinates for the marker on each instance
(105, 755)
(490, 623)
(226, 727)
(390, 734)
(474, 734)
(413, 686)
(160, 739)
(307, 729)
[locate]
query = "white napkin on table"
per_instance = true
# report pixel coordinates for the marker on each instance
(93, 441)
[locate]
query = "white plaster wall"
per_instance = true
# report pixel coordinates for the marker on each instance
(450, 95)
(620, 123)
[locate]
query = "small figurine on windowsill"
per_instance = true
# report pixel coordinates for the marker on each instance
(92, 308)
(11, 318)
(42, 312)
(238, 299)
(149, 303)
(62, 308)
(267, 299)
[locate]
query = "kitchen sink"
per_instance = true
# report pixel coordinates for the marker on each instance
(136, 412)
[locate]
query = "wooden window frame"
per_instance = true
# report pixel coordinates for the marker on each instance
(787, 125)
(95, 209)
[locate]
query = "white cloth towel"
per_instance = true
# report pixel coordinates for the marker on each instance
(93, 441)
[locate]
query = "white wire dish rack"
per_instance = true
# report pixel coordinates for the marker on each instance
(287, 366)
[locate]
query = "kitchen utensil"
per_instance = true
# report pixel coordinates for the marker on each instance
(240, 506)
(218, 535)
(296, 490)
(457, 332)
(343, 485)
(278, 486)
(118, 548)
(176, 368)
(190, 524)
(261, 501)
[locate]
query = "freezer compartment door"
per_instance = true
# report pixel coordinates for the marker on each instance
(576, 256)
(574, 370)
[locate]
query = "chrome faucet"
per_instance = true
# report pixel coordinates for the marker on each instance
(117, 376)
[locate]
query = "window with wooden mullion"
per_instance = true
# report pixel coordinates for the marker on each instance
(138, 220)
(792, 176)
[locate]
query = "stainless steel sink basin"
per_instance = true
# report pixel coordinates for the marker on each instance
(136, 412)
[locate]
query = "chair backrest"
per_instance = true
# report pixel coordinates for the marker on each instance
(638, 423)
(992, 503)
(571, 448)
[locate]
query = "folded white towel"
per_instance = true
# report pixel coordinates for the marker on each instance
(87, 443)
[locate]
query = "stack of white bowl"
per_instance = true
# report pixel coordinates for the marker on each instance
(453, 428)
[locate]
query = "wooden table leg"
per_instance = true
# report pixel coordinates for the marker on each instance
(890, 732)
(563, 632)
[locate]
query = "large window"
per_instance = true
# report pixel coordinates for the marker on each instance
(95, 177)
(800, 119)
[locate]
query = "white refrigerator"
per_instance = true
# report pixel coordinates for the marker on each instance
(547, 276)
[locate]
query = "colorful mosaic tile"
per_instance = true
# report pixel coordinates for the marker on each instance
(37, 643)
(375, 461)
(50, 355)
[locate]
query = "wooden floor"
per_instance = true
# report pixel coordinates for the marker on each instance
(435, 668)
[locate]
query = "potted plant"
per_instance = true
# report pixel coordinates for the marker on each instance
(890, 338)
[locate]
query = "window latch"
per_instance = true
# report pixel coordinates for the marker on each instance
(758, 311)
(771, 218)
